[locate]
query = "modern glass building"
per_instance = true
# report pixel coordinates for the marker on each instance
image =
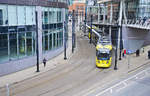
(137, 8)
(18, 32)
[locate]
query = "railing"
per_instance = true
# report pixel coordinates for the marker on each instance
(137, 23)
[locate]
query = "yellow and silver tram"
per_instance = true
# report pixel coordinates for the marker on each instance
(104, 53)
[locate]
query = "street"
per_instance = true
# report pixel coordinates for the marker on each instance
(78, 74)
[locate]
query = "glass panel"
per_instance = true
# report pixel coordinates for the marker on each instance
(3, 47)
(46, 40)
(50, 17)
(1, 17)
(45, 17)
(13, 45)
(21, 45)
(43, 41)
(54, 39)
(12, 15)
(50, 41)
(21, 15)
(29, 43)
(57, 40)
(34, 43)
(61, 38)
(29, 15)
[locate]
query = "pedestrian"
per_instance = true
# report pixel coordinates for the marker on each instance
(44, 62)
(124, 52)
(144, 20)
(137, 52)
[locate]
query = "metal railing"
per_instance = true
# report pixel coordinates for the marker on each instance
(137, 23)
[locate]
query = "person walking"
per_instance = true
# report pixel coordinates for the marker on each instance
(137, 52)
(124, 52)
(44, 62)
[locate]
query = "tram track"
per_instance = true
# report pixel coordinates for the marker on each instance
(77, 67)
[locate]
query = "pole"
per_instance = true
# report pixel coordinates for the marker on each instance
(65, 57)
(7, 87)
(37, 46)
(73, 19)
(120, 41)
(98, 13)
(91, 29)
(85, 17)
(115, 67)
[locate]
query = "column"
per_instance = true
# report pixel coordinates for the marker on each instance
(39, 15)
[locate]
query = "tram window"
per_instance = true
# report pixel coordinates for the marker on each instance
(102, 55)
(1, 17)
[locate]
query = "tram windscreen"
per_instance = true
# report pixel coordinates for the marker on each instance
(102, 56)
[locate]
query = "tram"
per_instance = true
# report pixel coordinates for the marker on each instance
(96, 34)
(104, 53)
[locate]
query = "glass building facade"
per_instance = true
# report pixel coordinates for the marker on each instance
(137, 9)
(52, 25)
(18, 31)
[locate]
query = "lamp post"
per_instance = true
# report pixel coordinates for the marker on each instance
(73, 30)
(91, 29)
(65, 44)
(37, 46)
(116, 51)
(85, 17)
(121, 45)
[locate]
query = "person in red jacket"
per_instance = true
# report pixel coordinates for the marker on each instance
(124, 51)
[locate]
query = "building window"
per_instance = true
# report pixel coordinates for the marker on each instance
(46, 40)
(1, 17)
(13, 45)
(29, 42)
(3, 47)
(50, 41)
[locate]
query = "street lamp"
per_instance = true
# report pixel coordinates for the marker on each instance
(85, 17)
(91, 29)
(65, 57)
(116, 53)
(121, 45)
(73, 30)
(37, 46)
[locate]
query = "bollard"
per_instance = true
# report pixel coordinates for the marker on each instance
(149, 54)
(7, 88)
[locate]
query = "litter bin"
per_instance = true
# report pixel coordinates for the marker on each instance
(149, 54)
(137, 52)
